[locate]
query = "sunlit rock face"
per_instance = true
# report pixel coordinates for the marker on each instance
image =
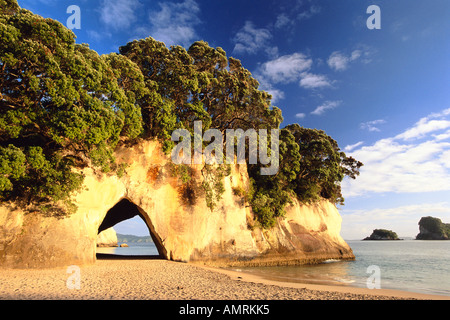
(107, 238)
(180, 223)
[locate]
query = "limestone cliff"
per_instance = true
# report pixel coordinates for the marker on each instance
(182, 230)
(107, 238)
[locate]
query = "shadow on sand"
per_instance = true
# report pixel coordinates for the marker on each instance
(110, 256)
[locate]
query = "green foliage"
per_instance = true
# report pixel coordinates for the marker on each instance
(322, 166)
(384, 234)
(31, 173)
(212, 185)
(12, 167)
(435, 227)
(245, 193)
(202, 84)
(181, 171)
(63, 107)
(311, 167)
(9, 7)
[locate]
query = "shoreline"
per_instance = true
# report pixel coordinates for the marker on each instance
(158, 279)
(400, 294)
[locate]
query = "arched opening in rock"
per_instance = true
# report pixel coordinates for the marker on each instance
(124, 210)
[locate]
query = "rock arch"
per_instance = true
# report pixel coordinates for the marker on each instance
(182, 231)
(125, 209)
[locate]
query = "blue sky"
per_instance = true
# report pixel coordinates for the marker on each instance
(383, 94)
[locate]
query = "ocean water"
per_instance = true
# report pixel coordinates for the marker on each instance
(133, 249)
(410, 265)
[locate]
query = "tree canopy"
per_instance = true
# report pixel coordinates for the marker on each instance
(63, 107)
(311, 167)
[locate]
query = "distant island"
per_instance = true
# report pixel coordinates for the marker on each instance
(133, 239)
(432, 228)
(382, 234)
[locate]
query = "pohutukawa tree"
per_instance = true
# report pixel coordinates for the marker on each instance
(62, 107)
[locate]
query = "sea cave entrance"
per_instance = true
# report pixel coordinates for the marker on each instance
(124, 210)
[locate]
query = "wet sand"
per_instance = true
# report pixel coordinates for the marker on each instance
(156, 279)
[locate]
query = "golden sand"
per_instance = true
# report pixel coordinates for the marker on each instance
(167, 280)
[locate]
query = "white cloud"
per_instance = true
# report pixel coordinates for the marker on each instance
(174, 23)
(424, 127)
(288, 69)
(445, 159)
(250, 40)
(357, 224)
(427, 125)
(328, 105)
(372, 125)
(314, 81)
(285, 69)
(394, 167)
(338, 61)
(118, 14)
(353, 146)
(300, 115)
(442, 136)
(282, 70)
(404, 163)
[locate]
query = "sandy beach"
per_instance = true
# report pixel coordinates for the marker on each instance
(167, 280)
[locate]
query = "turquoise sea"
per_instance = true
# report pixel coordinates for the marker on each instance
(410, 265)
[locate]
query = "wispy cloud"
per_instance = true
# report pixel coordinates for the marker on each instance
(314, 81)
(251, 40)
(416, 160)
(432, 123)
(372, 125)
(283, 20)
(357, 224)
(287, 69)
(174, 23)
(353, 146)
(98, 35)
(308, 13)
(328, 105)
(295, 13)
(118, 14)
(339, 61)
(300, 115)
